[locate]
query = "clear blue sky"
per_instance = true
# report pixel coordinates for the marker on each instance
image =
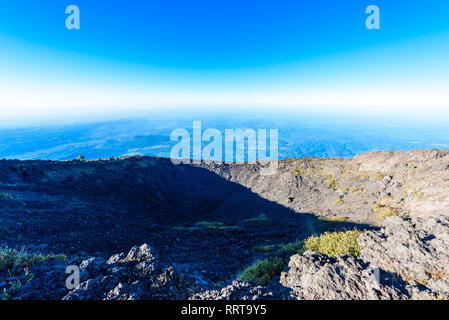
(146, 54)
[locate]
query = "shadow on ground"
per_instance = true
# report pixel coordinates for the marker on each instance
(194, 218)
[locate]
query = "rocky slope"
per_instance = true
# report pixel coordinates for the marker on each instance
(210, 221)
(360, 189)
(406, 260)
(312, 275)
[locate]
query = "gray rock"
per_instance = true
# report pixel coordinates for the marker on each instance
(132, 276)
(125, 291)
(314, 276)
(415, 248)
(238, 290)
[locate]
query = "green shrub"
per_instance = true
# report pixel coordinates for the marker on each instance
(331, 182)
(262, 272)
(214, 225)
(335, 243)
(10, 258)
(260, 219)
(292, 248)
(263, 249)
(208, 225)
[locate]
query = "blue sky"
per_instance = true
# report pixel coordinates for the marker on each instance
(138, 55)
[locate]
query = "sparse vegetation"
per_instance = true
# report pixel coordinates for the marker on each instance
(380, 176)
(333, 219)
(18, 265)
(377, 207)
(182, 228)
(263, 249)
(355, 191)
(412, 164)
(418, 194)
(233, 201)
(11, 259)
(262, 218)
(292, 248)
(262, 272)
(339, 201)
(14, 288)
(331, 182)
(80, 158)
(316, 171)
(388, 212)
(208, 225)
(335, 243)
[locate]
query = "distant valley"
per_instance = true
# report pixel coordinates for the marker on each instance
(303, 136)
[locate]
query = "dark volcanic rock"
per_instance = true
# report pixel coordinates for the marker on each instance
(133, 276)
(48, 282)
(239, 290)
(205, 220)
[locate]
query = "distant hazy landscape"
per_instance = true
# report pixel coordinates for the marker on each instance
(307, 135)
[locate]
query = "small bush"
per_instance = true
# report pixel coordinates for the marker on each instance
(292, 248)
(339, 201)
(80, 158)
(380, 176)
(331, 182)
(262, 272)
(210, 224)
(388, 212)
(335, 243)
(214, 225)
(182, 228)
